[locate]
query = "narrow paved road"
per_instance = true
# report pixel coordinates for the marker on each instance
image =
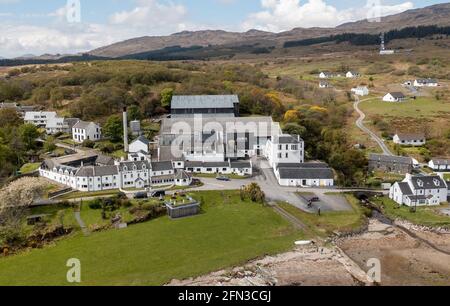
(361, 126)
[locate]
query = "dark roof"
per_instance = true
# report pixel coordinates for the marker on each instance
(142, 139)
(404, 188)
(140, 165)
(83, 124)
(241, 164)
(286, 139)
(410, 136)
(429, 182)
(397, 95)
(162, 166)
(391, 159)
(85, 172)
(310, 165)
(426, 81)
(182, 175)
(441, 161)
(104, 160)
(216, 101)
(306, 173)
(105, 170)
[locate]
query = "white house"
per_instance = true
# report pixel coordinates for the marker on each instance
(417, 139)
(324, 84)
(394, 97)
(83, 130)
(304, 175)
(361, 91)
(426, 83)
(140, 144)
(60, 125)
(182, 178)
(352, 74)
(284, 149)
(439, 164)
(419, 191)
(39, 119)
(325, 75)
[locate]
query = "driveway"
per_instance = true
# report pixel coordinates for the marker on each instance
(361, 126)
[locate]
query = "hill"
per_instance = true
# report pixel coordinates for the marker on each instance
(433, 15)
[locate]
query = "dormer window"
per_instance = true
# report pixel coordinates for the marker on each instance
(125, 168)
(436, 182)
(420, 183)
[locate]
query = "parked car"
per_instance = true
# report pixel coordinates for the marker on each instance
(223, 178)
(158, 194)
(314, 199)
(140, 195)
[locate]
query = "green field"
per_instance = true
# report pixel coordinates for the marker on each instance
(428, 216)
(422, 107)
(30, 167)
(229, 232)
(329, 222)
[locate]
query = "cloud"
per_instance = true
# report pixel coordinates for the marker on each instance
(282, 15)
(152, 15)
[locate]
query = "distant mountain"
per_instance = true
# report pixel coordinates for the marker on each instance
(433, 15)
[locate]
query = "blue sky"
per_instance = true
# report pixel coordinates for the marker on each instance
(37, 27)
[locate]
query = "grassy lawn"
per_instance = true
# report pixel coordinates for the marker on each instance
(82, 194)
(214, 175)
(447, 176)
(428, 216)
(422, 107)
(30, 167)
(329, 222)
(228, 233)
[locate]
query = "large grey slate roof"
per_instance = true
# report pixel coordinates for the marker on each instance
(306, 173)
(105, 170)
(162, 166)
(139, 165)
(241, 165)
(286, 139)
(309, 165)
(428, 182)
(411, 136)
(391, 159)
(441, 161)
(219, 101)
(404, 187)
(398, 95)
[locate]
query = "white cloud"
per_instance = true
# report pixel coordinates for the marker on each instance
(152, 15)
(282, 15)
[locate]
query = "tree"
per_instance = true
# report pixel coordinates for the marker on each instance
(9, 117)
(294, 129)
(29, 133)
(166, 97)
(114, 128)
(254, 192)
(16, 198)
(134, 113)
(49, 144)
(291, 116)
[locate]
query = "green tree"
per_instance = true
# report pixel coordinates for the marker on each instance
(166, 97)
(28, 134)
(9, 117)
(134, 113)
(114, 128)
(49, 144)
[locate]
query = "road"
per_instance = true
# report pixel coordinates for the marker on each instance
(361, 126)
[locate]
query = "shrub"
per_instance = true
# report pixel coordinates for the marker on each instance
(88, 144)
(95, 204)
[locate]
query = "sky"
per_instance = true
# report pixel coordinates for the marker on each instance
(73, 26)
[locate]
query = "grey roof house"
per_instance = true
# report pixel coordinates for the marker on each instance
(211, 106)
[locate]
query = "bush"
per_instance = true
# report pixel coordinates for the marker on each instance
(88, 144)
(95, 204)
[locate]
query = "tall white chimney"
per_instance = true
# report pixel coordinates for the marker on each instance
(125, 130)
